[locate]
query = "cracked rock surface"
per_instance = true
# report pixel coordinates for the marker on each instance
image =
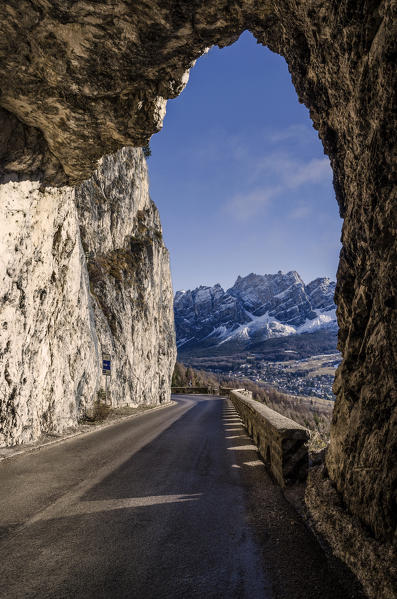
(82, 271)
(129, 278)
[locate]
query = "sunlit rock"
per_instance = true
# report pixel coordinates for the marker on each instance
(57, 315)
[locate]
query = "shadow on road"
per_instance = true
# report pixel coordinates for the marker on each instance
(193, 514)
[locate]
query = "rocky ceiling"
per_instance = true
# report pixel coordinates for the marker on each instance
(80, 79)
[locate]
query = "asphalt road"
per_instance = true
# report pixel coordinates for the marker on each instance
(174, 503)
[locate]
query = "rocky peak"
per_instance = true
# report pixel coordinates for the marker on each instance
(282, 295)
(200, 311)
(259, 306)
(321, 293)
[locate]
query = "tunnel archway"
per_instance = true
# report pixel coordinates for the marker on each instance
(81, 80)
(238, 159)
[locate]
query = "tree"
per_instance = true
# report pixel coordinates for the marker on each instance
(179, 376)
(190, 378)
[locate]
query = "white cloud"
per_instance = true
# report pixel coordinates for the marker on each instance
(244, 206)
(302, 210)
(293, 132)
(294, 172)
(284, 173)
(316, 170)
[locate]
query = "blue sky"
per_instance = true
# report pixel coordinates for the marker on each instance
(239, 174)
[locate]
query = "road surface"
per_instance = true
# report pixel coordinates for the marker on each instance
(174, 503)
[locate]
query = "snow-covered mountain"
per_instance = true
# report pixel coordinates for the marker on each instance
(256, 308)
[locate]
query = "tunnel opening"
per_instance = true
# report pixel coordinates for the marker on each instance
(230, 166)
(64, 105)
(242, 185)
(330, 142)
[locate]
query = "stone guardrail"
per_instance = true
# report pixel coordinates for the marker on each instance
(281, 442)
(225, 391)
(198, 390)
(221, 391)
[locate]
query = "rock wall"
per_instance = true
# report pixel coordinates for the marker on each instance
(129, 277)
(56, 316)
(79, 80)
(48, 344)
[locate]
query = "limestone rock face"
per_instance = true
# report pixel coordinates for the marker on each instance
(49, 351)
(80, 80)
(57, 316)
(130, 279)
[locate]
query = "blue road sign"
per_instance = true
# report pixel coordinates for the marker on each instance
(106, 364)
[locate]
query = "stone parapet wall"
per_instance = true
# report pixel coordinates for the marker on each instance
(281, 442)
(199, 390)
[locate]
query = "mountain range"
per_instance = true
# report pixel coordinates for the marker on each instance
(255, 310)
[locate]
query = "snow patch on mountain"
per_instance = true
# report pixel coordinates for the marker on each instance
(324, 319)
(269, 327)
(256, 308)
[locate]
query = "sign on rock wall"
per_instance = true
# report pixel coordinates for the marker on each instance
(106, 364)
